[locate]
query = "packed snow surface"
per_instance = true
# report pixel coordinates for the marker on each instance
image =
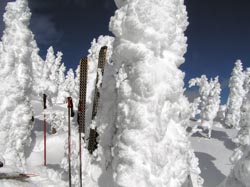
(214, 154)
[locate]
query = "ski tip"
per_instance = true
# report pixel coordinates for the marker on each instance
(104, 47)
(84, 60)
(29, 175)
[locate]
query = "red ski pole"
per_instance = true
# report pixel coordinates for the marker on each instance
(44, 127)
(70, 107)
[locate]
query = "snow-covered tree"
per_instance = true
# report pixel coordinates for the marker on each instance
(49, 61)
(16, 51)
(61, 89)
(240, 174)
(37, 70)
(210, 99)
(54, 75)
(48, 83)
(221, 114)
(194, 106)
(69, 84)
(236, 95)
(57, 119)
(149, 111)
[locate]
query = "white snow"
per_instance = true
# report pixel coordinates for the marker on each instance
(143, 116)
(214, 154)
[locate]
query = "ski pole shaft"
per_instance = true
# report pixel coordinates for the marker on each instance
(69, 139)
(80, 158)
(44, 128)
(44, 137)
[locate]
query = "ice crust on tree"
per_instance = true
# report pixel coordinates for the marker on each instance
(16, 50)
(150, 146)
(236, 95)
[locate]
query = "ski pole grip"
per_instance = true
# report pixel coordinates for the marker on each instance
(69, 102)
(72, 108)
(44, 101)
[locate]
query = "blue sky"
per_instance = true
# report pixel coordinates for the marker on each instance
(218, 32)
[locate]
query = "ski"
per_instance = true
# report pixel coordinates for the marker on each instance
(16, 176)
(70, 114)
(44, 127)
(100, 69)
(82, 107)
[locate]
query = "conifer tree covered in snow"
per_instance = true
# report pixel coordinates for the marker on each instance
(150, 145)
(69, 85)
(210, 99)
(52, 75)
(16, 51)
(236, 95)
(61, 89)
(246, 80)
(50, 85)
(240, 174)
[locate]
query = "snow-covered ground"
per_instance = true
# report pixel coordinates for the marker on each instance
(214, 154)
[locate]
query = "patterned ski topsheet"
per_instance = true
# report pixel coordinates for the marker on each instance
(82, 94)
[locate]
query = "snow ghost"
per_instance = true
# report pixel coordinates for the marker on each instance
(16, 51)
(150, 145)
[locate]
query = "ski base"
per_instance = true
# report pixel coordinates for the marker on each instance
(16, 176)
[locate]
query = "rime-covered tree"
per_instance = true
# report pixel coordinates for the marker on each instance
(147, 119)
(210, 99)
(48, 84)
(69, 84)
(61, 90)
(240, 174)
(246, 80)
(55, 74)
(16, 51)
(236, 95)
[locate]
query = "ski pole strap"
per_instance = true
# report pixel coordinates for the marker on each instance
(44, 101)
